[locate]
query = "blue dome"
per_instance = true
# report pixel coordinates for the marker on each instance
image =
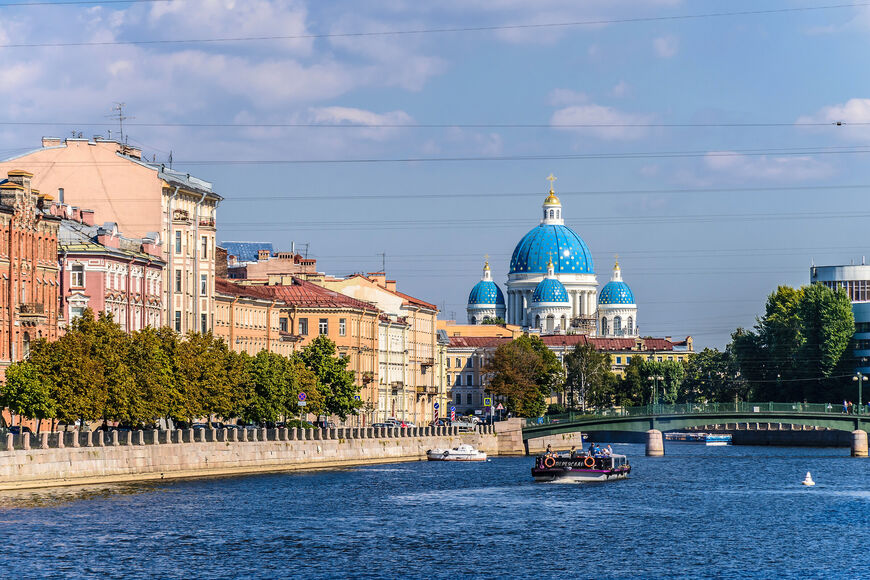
(616, 292)
(569, 252)
(486, 292)
(550, 290)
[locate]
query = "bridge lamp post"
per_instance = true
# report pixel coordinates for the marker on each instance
(860, 377)
(655, 381)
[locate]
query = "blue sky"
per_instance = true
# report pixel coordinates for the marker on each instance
(703, 236)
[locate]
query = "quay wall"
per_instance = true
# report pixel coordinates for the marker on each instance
(73, 458)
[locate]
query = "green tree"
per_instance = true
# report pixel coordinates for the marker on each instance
(828, 326)
(711, 376)
(153, 373)
(499, 321)
(26, 393)
(337, 383)
(525, 372)
(204, 374)
(268, 385)
(589, 378)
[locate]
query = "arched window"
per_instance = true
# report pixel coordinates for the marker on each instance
(552, 214)
(473, 320)
(551, 323)
(603, 325)
(629, 327)
(617, 325)
(558, 214)
(25, 345)
(537, 321)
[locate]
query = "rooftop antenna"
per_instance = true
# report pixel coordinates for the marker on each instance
(383, 256)
(170, 160)
(119, 115)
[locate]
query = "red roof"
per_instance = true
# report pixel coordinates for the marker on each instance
(477, 341)
(301, 294)
(569, 341)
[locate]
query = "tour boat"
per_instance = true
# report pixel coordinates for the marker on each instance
(580, 468)
(462, 453)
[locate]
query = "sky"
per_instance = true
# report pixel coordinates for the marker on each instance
(696, 139)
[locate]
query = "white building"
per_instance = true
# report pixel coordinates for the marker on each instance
(855, 280)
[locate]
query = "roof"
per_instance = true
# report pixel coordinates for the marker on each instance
(569, 341)
(616, 292)
(486, 292)
(301, 294)
(77, 238)
(547, 242)
(477, 341)
(246, 251)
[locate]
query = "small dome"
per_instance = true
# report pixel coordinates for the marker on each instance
(550, 290)
(484, 293)
(616, 292)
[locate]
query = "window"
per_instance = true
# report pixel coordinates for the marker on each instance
(619, 360)
(323, 326)
(203, 284)
(203, 322)
(342, 326)
(458, 363)
(75, 312)
(77, 276)
(303, 326)
(627, 360)
(660, 359)
(468, 399)
(458, 398)
(177, 321)
(552, 214)
(629, 327)
(448, 362)
(282, 325)
(458, 380)
(617, 325)
(470, 361)
(469, 380)
(204, 247)
(178, 242)
(178, 280)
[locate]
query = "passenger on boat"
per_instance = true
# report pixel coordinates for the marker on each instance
(573, 452)
(549, 451)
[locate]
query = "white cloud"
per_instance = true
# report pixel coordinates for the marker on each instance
(348, 115)
(766, 168)
(562, 97)
(852, 111)
(666, 46)
(622, 125)
(621, 89)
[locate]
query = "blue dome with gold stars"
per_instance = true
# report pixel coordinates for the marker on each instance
(486, 292)
(550, 290)
(616, 292)
(568, 251)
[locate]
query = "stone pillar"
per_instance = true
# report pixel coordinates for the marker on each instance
(75, 439)
(655, 447)
(264, 435)
(89, 438)
(859, 443)
(155, 436)
(140, 438)
(43, 441)
(60, 442)
(25, 441)
(294, 433)
(10, 442)
(244, 433)
(115, 441)
(234, 435)
(101, 439)
(129, 439)
(213, 433)
(317, 434)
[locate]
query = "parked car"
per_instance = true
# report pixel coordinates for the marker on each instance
(17, 430)
(384, 425)
(440, 423)
(325, 424)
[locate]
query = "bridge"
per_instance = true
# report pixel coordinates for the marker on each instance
(653, 419)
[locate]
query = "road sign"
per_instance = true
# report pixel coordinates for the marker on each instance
(301, 403)
(357, 398)
(487, 401)
(435, 405)
(302, 396)
(500, 407)
(452, 409)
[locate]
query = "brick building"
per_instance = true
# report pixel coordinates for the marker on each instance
(29, 304)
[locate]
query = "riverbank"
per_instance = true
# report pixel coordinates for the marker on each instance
(65, 459)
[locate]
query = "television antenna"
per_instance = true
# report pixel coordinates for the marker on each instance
(119, 115)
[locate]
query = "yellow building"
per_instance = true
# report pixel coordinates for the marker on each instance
(413, 397)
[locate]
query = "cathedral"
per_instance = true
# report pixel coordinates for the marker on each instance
(552, 287)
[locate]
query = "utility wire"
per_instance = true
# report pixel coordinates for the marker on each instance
(421, 31)
(77, 2)
(219, 125)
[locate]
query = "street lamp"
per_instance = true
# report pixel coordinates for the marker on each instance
(655, 381)
(860, 377)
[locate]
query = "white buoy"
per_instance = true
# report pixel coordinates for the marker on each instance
(808, 480)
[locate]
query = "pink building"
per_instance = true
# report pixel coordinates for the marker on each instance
(105, 271)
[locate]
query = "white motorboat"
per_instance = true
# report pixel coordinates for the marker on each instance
(808, 480)
(462, 453)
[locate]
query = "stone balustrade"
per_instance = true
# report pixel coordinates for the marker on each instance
(114, 438)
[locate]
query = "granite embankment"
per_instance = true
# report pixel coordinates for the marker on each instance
(73, 458)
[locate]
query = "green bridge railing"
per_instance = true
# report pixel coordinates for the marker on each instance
(698, 409)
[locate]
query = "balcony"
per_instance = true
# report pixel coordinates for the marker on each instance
(31, 309)
(180, 215)
(206, 223)
(426, 390)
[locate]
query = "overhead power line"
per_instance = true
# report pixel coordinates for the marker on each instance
(77, 2)
(219, 125)
(724, 152)
(422, 31)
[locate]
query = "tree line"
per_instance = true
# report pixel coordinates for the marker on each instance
(98, 372)
(799, 350)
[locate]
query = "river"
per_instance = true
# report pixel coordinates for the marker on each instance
(697, 512)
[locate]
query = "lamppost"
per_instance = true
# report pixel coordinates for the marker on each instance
(655, 381)
(860, 377)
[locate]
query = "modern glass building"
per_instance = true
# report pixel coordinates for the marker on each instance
(855, 280)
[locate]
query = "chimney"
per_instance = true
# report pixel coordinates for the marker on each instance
(51, 141)
(379, 278)
(20, 177)
(263, 255)
(87, 217)
(108, 236)
(60, 195)
(391, 285)
(76, 215)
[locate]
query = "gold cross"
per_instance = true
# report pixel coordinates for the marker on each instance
(551, 178)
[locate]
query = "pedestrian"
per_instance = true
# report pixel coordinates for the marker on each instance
(845, 406)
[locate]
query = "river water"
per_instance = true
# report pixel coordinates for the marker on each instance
(697, 512)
